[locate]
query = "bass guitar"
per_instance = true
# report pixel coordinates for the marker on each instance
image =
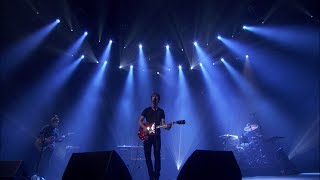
(151, 127)
(43, 144)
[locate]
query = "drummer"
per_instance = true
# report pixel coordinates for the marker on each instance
(251, 132)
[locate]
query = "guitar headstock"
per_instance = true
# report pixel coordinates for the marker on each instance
(181, 122)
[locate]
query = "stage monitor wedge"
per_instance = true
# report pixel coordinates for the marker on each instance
(96, 165)
(12, 170)
(210, 165)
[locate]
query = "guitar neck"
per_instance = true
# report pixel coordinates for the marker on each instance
(162, 126)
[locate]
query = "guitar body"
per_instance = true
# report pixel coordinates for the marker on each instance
(151, 131)
(43, 143)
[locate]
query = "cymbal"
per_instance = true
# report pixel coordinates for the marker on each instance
(232, 137)
(251, 127)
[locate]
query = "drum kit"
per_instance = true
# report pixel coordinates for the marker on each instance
(250, 149)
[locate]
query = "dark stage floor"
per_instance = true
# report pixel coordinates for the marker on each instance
(308, 176)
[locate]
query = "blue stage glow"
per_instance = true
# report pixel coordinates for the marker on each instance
(143, 77)
(167, 47)
(84, 114)
(184, 137)
(168, 61)
(131, 66)
(140, 46)
(195, 44)
(239, 48)
(106, 53)
(180, 67)
(219, 37)
(23, 49)
(124, 111)
(201, 56)
(57, 21)
(57, 77)
(244, 27)
(85, 33)
(298, 38)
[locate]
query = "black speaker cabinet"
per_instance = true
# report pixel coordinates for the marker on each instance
(96, 165)
(203, 164)
(11, 170)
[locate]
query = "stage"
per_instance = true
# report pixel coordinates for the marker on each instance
(293, 177)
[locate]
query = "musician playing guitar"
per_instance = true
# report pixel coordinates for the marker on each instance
(153, 114)
(45, 144)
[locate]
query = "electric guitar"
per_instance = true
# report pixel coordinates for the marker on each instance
(151, 127)
(43, 144)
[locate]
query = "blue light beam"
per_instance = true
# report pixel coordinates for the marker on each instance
(23, 49)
